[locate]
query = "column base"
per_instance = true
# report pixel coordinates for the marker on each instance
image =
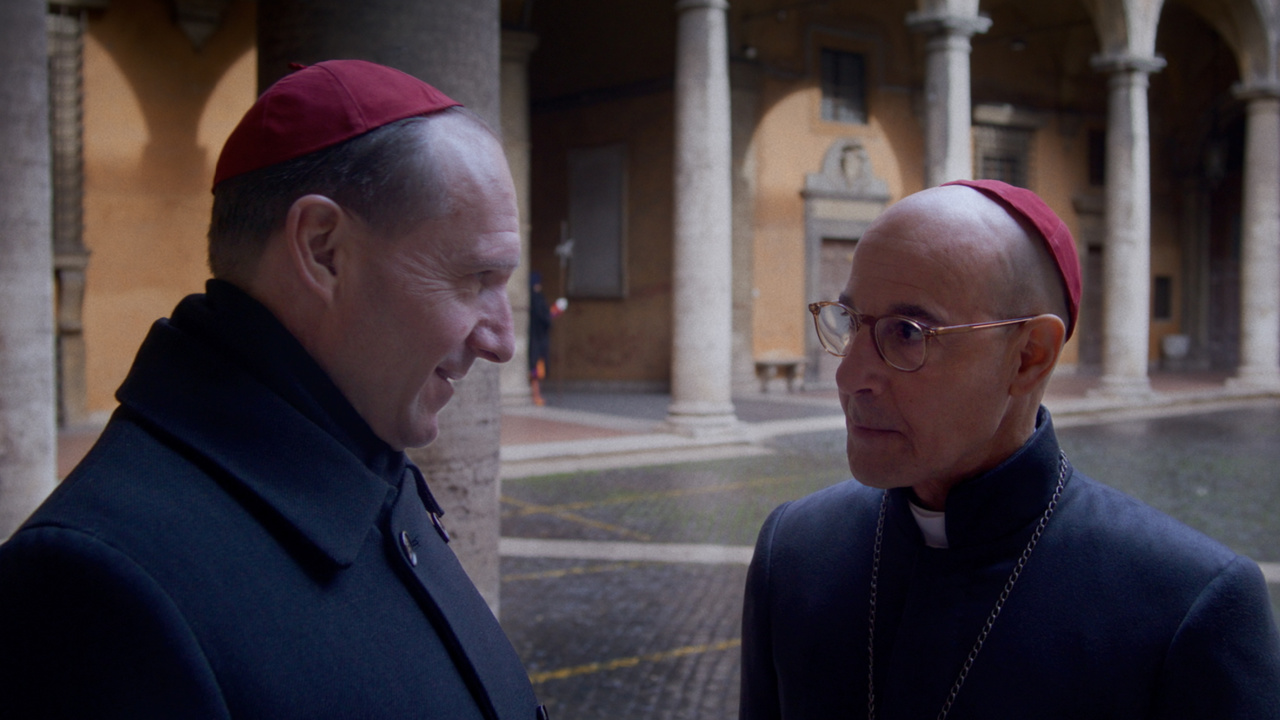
(1123, 386)
(704, 419)
(1255, 379)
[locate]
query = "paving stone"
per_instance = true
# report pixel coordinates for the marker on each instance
(663, 637)
(642, 640)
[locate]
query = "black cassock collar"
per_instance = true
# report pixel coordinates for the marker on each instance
(1003, 501)
(228, 381)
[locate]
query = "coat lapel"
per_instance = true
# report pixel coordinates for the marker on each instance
(208, 404)
(478, 644)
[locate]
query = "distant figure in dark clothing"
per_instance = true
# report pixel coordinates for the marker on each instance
(540, 316)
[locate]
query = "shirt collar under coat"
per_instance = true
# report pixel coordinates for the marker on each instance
(225, 378)
(1002, 501)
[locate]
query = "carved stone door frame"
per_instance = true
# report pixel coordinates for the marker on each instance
(840, 202)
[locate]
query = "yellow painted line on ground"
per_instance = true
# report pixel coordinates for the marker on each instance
(590, 668)
(534, 509)
(565, 572)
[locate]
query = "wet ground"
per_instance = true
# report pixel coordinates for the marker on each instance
(639, 617)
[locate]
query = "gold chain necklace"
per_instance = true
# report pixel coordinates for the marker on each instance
(991, 619)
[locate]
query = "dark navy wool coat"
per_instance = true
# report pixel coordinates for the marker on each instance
(238, 544)
(1120, 613)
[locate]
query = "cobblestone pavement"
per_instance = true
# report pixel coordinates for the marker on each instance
(610, 627)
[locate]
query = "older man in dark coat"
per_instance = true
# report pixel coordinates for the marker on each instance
(970, 571)
(247, 538)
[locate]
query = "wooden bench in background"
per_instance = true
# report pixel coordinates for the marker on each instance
(789, 367)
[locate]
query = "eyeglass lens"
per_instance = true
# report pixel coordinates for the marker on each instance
(901, 342)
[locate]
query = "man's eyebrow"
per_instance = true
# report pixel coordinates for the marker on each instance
(906, 310)
(472, 262)
(915, 312)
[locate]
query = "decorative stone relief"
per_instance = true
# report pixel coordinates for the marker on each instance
(199, 19)
(846, 173)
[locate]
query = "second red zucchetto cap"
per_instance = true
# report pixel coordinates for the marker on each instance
(1023, 203)
(321, 105)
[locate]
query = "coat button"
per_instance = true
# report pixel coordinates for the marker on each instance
(407, 546)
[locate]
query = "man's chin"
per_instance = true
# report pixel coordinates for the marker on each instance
(419, 433)
(872, 474)
(422, 441)
(871, 481)
(425, 434)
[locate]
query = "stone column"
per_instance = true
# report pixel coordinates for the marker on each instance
(66, 22)
(744, 102)
(454, 45)
(948, 107)
(516, 48)
(1126, 252)
(701, 395)
(28, 436)
(1260, 244)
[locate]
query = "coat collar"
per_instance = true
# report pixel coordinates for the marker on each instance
(224, 378)
(1004, 500)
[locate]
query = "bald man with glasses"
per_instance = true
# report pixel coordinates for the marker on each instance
(969, 570)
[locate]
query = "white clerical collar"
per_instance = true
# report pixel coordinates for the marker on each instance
(933, 525)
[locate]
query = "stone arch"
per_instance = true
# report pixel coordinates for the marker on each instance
(1249, 28)
(1218, 171)
(785, 140)
(224, 105)
(172, 77)
(1129, 28)
(1125, 27)
(147, 174)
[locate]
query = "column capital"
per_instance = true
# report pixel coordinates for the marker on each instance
(935, 23)
(1257, 90)
(518, 45)
(683, 5)
(1125, 62)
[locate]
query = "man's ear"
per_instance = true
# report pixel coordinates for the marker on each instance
(1041, 340)
(312, 236)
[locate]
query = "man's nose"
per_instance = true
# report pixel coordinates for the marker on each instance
(494, 336)
(861, 364)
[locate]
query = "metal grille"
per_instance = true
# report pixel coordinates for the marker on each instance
(844, 95)
(1002, 153)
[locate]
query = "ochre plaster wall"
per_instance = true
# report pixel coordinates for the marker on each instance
(1049, 77)
(1059, 171)
(1166, 259)
(626, 340)
(156, 112)
(791, 141)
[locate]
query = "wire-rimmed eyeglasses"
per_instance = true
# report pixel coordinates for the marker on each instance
(900, 341)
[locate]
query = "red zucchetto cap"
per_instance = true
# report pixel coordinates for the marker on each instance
(1022, 203)
(322, 105)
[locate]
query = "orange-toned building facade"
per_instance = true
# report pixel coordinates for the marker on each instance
(161, 91)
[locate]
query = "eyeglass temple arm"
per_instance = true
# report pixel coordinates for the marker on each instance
(976, 326)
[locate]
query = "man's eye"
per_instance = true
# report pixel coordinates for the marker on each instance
(493, 279)
(840, 320)
(905, 332)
